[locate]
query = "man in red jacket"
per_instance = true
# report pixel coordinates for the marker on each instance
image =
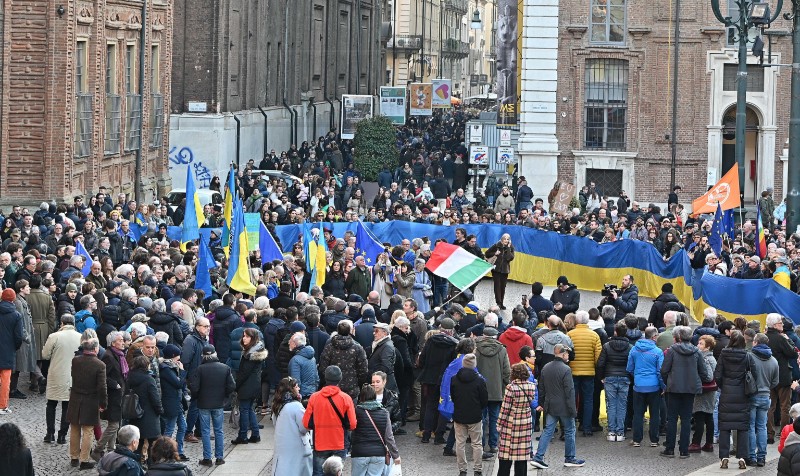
(330, 413)
(516, 336)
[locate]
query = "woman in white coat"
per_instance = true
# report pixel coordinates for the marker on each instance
(59, 350)
(293, 454)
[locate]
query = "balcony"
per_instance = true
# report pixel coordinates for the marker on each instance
(406, 43)
(456, 49)
(460, 7)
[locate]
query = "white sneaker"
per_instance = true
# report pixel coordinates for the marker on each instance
(620, 438)
(5, 411)
(612, 437)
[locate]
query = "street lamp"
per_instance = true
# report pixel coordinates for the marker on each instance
(750, 15)
(792, 188)
(476, 23)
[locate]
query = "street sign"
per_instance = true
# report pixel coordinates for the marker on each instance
(479, 155)
(476, 133)
(505, 137)
(505, 155)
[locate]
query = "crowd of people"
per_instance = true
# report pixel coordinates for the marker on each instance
(142, 363)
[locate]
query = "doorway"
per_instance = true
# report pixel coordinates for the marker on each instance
(751, 158)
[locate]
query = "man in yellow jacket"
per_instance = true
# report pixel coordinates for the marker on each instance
(587, 347)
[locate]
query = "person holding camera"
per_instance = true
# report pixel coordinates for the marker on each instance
(624, 299)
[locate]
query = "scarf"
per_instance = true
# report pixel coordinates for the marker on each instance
(370, 405)
(123, 364)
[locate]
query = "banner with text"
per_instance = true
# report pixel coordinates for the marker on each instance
(393, 104)
(354, 109)
(507, 54)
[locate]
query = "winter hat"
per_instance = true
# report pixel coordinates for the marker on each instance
(562, 280)
(755, 258)
(71, 287)
(171, 351)
(140, 317)
(339, 305)
(447, 324)
(472, 308)
(490, 331)
(209, 349)
(297, 326)
(355, 298)
(333, 375)
(469, 361)
(145, 303)
(9, 295)
(367, 313)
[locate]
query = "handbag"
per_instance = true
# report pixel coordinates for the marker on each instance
(131, 408)
(233, 419)
(492, 260)
(387, 457)
(427, 293)
(750, 386)
(710, 386)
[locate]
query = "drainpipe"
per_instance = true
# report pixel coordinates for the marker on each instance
(314, 121)
(325, 87)
(291, 116)
(137, 185)
(266, 136)
(296, 127)
(238, 141)
(286, 70)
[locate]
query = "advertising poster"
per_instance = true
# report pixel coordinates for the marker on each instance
(507, 54)
(442, 91)
(479, 155)
(475, 133)
(354, 109)
(393, 104)
(421, 99)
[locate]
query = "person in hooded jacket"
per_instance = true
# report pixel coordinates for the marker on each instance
(162, 321)
(330, 413)
(495, 366)
(612, 371)
(250, 316)
(707, 329)
(546, 342)
(789, 462)
(248, 384)
(703, 407)
(439, 350)
(303, 366)
(343, 351)
(644, 363)
(516, 336)
(566, 297)
(172, 387)
(666, 301)
(470, 397)
(684, 372)
(734, 404)
(767, 375)
(110, 322)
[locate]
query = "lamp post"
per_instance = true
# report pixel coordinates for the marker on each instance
(751, 14)
(792, 188)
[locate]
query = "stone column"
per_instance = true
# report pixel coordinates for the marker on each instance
(538, 145)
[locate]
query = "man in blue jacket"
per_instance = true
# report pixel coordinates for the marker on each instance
(644, 363)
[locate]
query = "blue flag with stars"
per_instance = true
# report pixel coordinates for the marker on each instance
(715, 238)
(728, 226)
(366, 245)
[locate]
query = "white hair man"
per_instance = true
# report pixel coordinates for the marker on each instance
(784, 352)
(123, 460)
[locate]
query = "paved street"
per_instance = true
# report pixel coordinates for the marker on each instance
(418, 459)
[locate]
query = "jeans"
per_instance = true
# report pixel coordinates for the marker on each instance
(368, 466)
(247, 419)
(716, 415)
(440, 293)
(616, 403)
(321, 456)
(568, 425)
(584, 391)
(207, 418)
(474, 432)
(642, 402)
(490, 415)
(169, 425)
(759, 406)
(679, 405)
(192, 416)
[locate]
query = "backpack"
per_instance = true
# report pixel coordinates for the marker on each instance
(80, 319)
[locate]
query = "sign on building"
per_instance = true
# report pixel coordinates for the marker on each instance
(354, 109)
(442, 91)
(421, 99)
(476, 133)
(479, 155)
(393, 104)
(505, 137)
(505, 155)
(508, 60)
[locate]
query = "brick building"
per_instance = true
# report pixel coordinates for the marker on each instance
(610, 109)
(71, 112)
(278, 67)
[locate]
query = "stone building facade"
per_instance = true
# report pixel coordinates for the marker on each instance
(71, 112)
(611, 105)
(278, 67)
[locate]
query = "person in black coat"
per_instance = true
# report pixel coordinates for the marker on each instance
(283, 300)
(226, 319)
(172, 400)
(470, 396)
(111, 322)
(114, 358)
(566, 297)
(789, 462)
(248, 385)
(734, 405)
(15, 457)
(142, 383)
(162, 321)
(211, 384)
(784, 352)
(666, 301)
(283, 354)
(334, 281)
(402, 338)
(317, 337)
(165, 457)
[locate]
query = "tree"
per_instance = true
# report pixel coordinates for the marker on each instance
(375, 146)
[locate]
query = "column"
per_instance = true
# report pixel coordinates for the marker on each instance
(538, 145)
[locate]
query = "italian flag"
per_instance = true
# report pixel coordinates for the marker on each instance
(457, 265)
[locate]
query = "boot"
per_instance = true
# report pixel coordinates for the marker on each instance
(49, 437)
(62, 438)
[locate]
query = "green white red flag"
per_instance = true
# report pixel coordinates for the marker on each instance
(457, 265)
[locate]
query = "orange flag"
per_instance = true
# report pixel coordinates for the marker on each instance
(725, 192)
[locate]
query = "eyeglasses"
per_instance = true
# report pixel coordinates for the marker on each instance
(203, 325)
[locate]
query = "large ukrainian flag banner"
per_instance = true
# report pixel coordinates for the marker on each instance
(544, 256)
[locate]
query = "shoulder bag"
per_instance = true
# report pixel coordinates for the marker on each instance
(131, 408)
(750, 386)
(387, 457)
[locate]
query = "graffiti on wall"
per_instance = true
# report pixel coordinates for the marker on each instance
(184, 157)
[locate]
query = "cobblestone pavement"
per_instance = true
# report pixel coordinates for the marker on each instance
(53, 459)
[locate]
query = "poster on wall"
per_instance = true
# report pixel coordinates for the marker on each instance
(442, 91)
(354, 109)
(507, 53)
(479, 155)
(505, 155)
(421, 100)
(393, 104)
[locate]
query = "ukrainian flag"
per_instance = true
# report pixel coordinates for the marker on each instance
(239, 264)
(193, 217)
(230, 197)
(315, 250)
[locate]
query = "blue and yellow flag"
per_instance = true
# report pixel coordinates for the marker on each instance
(315, 250)
(193, 217)
(239, 264)
(230, 197)
(204, 266)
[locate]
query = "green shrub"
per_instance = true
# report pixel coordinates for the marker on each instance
(375, 146)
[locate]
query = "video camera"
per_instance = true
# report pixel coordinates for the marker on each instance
(608, 289)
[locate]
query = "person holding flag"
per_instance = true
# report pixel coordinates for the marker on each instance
(315, 255)
(193, 218)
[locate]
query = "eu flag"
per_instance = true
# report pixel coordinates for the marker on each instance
(728, 226)
(366, 245)
(715, 238)
(80, 250)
